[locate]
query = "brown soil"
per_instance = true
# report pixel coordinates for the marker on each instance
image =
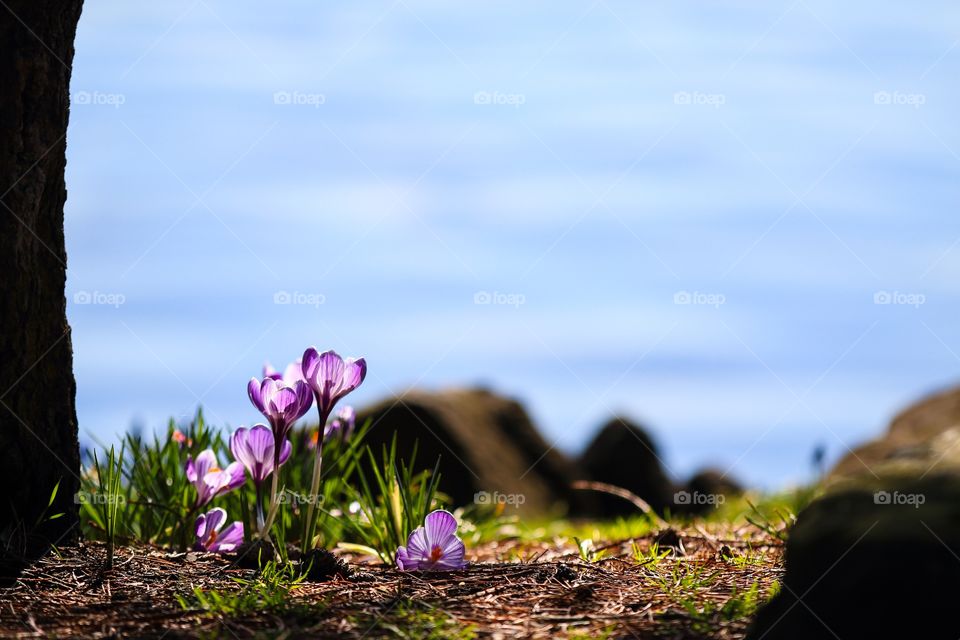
(550, 593)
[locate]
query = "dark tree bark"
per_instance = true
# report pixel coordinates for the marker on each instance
(38, 422)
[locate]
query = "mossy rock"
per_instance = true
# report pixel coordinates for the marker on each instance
(872, 558)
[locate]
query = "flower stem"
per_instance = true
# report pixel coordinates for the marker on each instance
(261, 519)
(274, 505)
(311, 523)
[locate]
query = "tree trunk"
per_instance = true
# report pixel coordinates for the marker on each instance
(38, 422)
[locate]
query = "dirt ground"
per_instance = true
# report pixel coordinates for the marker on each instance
(550, 592)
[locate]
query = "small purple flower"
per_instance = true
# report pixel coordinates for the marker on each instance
(209, 536)
(254, 448)
(281, 404)
(290, 375)
(270, 372)
(434, 546)
(342, 425)
(331, 378)
(209, 479)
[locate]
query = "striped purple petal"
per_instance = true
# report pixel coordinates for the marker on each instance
(253, 391)
(285, 450)
(439, 526)
(229, 539)
(354, 371)
(253, 448)
(208, 534)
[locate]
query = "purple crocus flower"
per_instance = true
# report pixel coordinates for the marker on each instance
(331, 378)
(434, 546)
(209, 479)
(254, 448)
(280, 403)
(209, 536)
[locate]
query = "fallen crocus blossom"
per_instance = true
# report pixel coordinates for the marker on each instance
(434, 546)
(209, 536)
(209, 479)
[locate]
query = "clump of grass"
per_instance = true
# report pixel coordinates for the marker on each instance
(149, 475)
(653, 556)
(681, 579)
(103, 499)
(269, 590)
(748, 558)
(588, 551)
(776, 525)
(393, 500)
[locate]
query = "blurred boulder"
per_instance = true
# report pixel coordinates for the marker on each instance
(489, 449)
(870, 558)
(624, 455)
(919, 440)
(705, 490)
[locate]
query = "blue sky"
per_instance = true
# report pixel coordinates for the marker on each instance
(584, 163)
